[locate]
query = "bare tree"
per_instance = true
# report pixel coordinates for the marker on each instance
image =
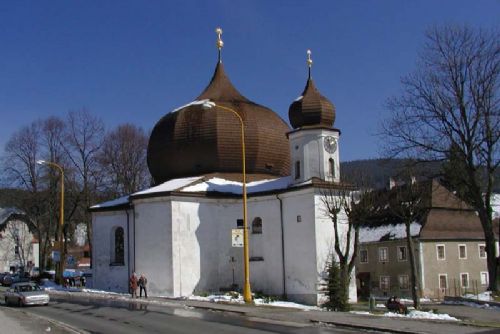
(408, 204)
(83, 140)
(22, 151)
(452, 100)
(355, 203)
(123, 158)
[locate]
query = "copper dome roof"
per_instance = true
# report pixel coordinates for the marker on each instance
(193, 141)
(311, 109)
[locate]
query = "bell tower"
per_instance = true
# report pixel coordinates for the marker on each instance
(314, 143)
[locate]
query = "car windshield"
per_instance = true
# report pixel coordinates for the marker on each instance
(27, 288)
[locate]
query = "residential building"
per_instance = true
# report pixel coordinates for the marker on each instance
(449, 250)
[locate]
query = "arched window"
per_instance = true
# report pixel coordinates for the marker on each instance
(297, 170)
(257, 226)
(119, 257)
(331, 167)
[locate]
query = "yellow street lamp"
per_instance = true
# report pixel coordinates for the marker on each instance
(247, 293)
(59, 274)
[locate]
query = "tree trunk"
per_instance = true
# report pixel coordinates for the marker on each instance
(490, 244)
(413, 272)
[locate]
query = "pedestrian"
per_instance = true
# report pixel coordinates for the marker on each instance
(143, 281)
(133, 285)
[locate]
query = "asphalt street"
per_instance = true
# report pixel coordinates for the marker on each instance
(108, 316)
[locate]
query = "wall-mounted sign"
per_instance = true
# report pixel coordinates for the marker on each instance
(237, 237)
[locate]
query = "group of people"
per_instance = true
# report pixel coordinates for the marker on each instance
(140, 282)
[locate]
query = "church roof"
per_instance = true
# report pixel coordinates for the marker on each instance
(311, 109)
(192, 140)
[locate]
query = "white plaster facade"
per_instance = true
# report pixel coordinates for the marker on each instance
(18, 249)
(307, 148)
(182, 242)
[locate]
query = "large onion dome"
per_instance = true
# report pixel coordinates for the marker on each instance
(192, 140)
(311, 109)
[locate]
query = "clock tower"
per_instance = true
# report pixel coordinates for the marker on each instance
(314, 143)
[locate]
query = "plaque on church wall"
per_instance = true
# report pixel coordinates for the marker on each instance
(237, 237)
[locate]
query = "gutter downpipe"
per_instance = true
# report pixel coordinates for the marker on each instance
(128, 242)
(282, 244)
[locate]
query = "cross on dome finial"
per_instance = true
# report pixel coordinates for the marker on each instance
(309, 61)
(219, 42)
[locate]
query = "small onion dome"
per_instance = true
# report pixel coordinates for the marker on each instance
(311, 109)
(192, 141)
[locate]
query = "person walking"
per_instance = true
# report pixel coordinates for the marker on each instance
(133, 285)
(143, 281)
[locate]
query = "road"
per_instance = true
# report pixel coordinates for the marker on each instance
(108, 316)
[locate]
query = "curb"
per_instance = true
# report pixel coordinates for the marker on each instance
(369, 328)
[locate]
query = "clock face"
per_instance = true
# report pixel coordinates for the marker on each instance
(330, 144)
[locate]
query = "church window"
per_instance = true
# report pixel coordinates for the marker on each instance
(119, 247)
(297, 170)
(257, 226)
(331, 167)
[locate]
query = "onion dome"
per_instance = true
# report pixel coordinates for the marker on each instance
(193, 140)
(311, 109)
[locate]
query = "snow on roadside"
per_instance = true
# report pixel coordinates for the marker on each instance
(422, 315)
(258, 301)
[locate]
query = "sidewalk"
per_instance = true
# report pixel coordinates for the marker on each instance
(490, 321)
(18, 322)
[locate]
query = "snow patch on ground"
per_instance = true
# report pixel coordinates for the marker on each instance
(422, 315)
(258, 301)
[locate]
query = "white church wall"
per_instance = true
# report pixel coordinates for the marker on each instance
(105, 275)
(300, 250)
(325, 241)
(266, 275)
(153, 244)
(204, 259)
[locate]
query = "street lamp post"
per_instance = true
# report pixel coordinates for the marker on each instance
(247, 293)
(59, 274)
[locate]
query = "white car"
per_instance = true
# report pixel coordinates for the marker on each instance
(26, 293)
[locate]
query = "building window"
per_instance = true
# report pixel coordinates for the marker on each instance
(257, 226)
(385, 282)
(440, 252)
(331, 167)
(484, 278)
(297, 170)
(383, 255)
(119, 257)
(363, 256)
(239, 223)
(464, 280)
(402, 253)
(462, 251)
(482, 251)
(443, 281)
(404, 282)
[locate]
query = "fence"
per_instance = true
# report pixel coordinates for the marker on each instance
(455, 289)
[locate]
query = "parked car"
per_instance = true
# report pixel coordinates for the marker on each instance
(394, 305)
(10, 279)
(26, 293)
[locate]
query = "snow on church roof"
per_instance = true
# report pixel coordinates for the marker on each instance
(387, 232)
(115, 202)
(216, 184)
(170, 185)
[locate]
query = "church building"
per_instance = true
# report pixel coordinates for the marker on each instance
(181, 232)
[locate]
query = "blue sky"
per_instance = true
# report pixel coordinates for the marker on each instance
(134, 61)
